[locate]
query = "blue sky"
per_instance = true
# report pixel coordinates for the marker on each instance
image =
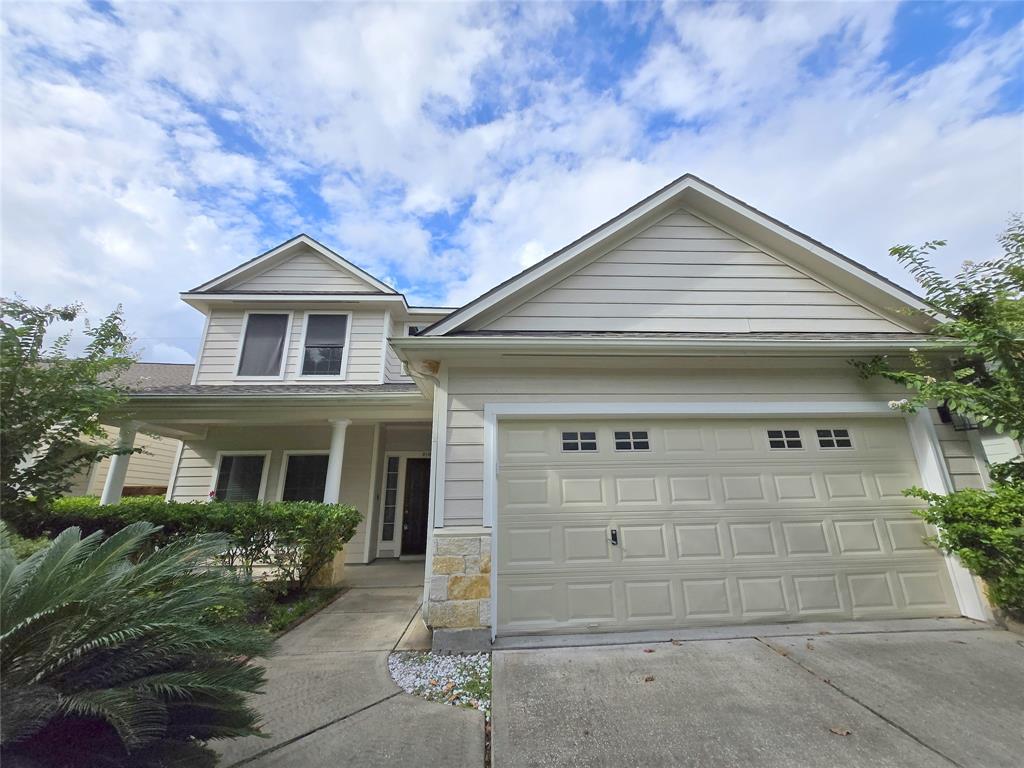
(148, 147)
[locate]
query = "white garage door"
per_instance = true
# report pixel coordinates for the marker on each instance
(647, 523)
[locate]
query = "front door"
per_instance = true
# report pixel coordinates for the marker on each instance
(414, 511)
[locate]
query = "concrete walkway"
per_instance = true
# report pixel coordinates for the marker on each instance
(329, 698)
(947, 693)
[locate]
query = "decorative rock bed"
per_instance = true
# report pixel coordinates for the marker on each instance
(456, 679)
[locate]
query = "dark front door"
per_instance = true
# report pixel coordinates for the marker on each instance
(414, 514)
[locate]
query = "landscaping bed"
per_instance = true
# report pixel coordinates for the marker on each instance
(455, 679)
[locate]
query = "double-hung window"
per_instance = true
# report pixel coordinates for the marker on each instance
(239, 477)
(263, 345)
(323, 348)
(305, 477)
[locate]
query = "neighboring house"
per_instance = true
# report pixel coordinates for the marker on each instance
(656, 426)
(149, 471)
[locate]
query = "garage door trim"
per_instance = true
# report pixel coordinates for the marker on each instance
(931, 465)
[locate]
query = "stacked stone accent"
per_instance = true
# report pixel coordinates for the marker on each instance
(460, 581)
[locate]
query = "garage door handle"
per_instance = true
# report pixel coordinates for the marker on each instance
(615, 536)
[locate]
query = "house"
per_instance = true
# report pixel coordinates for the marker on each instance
(657, 426)
(149, 469)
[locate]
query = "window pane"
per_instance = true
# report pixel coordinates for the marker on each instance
(239, 478)
(305, 478)
(387, 531)
(263, 346)
(325, 345)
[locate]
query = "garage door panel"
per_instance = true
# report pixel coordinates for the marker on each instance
(714, 526)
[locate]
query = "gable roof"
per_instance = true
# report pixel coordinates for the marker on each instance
(280, 253)
(717, 207)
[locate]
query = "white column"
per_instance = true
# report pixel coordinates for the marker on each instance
(332, 489)
(114, 483)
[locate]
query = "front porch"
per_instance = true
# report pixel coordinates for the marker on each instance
(357, 453)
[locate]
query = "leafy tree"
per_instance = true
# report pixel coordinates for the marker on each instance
(50, 401)
(112, 658)
(982, 308)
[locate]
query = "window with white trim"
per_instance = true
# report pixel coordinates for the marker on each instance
(574, 442)
(834, 438)
(239, 477)
(387, 530)
(784, 438)
(632, 440)
(305, 478)
(263, 346)
(324, 346)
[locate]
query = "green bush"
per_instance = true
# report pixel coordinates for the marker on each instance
(113, 657)
(985, 529)
(23, 547)
(296, 537)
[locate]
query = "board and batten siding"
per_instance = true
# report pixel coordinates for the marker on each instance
(305, 271)
(684, 275)
(776, 380)
(219, 358)
(194, 476)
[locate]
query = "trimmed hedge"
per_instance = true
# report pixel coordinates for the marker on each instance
(297, 538)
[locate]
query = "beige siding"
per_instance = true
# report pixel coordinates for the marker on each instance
(683, 275)
(153, 467)
(306, 271)
(961, 460)
(219, 358)
(393, 372)
(701, 381)
(998, 448)
(198, 460)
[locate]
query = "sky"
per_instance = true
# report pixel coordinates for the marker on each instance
(148, 147)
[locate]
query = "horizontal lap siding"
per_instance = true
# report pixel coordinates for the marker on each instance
(469, 389)
(219, 356)
(684, 275)
(305, 272)
(392, 365)
(198, 460)
(150, 468)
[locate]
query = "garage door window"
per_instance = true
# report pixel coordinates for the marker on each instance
(782, 439)
(634, 440)
(834, 438)
(575, 442)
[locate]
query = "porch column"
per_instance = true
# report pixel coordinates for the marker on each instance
(332, 490)
(114, 483)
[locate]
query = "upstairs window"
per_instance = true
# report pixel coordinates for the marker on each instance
(323, 352)
(579, 441)
(239, 477)
(784, 438)
(263, 346)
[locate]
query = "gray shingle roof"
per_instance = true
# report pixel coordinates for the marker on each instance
(275, 390)
(148, 375)
(748, 336)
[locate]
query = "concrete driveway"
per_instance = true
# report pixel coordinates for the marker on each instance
(330, 700)
(937, 693)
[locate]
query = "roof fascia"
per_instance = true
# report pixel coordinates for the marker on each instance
(302, 239)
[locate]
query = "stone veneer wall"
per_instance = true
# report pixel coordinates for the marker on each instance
(460, 580)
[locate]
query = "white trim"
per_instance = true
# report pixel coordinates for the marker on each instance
(288, 245)
(202, 348)
(371, 496)
(935, 478)
(284, 352)
(342, 375)
(261, 496)
(384, 346)
(283, 471)
(173, 479)
(438, 461)
(670, 195)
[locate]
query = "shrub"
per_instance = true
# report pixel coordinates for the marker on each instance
(297, 537)
(985, 529)
(115, 658)
(22, 547)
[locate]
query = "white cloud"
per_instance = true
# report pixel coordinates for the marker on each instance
(145, 153)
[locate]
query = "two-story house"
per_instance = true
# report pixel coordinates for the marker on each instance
(656, 426)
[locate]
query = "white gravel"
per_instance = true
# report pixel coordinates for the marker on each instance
(456, 679)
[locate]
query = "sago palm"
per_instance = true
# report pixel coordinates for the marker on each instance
(113, 658)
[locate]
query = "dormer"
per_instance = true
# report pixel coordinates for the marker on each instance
(301, 314)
